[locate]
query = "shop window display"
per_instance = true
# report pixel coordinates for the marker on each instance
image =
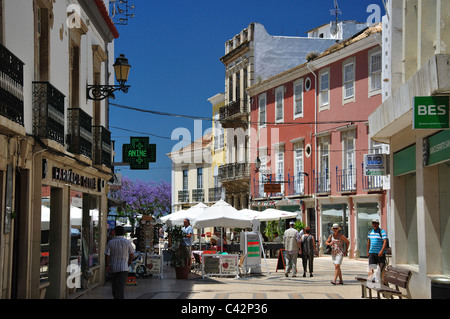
(366, 213)
(84, 221)
(333, 214)
(45, 234)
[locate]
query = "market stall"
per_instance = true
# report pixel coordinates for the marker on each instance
(223, 215)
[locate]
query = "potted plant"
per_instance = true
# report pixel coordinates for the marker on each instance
(178, 252)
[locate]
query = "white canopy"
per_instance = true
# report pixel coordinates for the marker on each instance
(269, 214)
(222, 214)
(177, 218)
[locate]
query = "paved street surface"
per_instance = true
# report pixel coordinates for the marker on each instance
(272, 285)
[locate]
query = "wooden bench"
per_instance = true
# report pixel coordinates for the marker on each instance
(396, 283)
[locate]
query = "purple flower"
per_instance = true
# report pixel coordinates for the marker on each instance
(146, 198)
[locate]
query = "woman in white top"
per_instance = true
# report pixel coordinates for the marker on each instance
(336, 241)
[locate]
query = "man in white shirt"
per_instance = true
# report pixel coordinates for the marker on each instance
(119, 255)
(292, 245)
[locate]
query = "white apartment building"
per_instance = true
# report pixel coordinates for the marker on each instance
(55, 147)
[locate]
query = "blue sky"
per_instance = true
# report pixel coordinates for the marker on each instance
(174, 47)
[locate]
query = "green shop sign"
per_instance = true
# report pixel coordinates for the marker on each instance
(436, 148)
(139, 153)
(431, 112)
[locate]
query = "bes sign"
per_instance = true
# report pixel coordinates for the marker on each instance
(431, 112)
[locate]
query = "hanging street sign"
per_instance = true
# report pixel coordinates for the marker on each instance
(139, 153)
(431, 112)
(374, 164)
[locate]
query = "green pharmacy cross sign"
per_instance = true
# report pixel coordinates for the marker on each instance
(139, 153)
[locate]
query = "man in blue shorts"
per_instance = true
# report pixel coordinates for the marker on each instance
(376, 246)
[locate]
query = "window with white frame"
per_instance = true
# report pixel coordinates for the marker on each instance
(200, 177)
(349, 166)
(262, 110)
(349, 80)
(185, 179)
(375, 67)
(298, 168)
(279, 101)
(262, 171)
(298, 98)
(324, 97)
(348, 145)
(323, 175)
(280, 166)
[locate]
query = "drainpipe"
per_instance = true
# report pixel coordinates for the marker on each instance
(315, 148)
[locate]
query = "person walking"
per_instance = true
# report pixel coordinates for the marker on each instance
(187, 240)
(336, 241)
(292, 245)
(376, 248)
(119, 255)
(308, 251)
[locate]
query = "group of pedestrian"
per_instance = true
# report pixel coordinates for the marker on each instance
(303, 243)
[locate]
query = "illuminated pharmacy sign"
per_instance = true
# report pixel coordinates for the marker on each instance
(139, 153)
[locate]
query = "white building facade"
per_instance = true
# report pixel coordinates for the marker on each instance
(56, 151)
(416, 62)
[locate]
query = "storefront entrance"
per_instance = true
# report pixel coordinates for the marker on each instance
(333, 214)
(366, 212)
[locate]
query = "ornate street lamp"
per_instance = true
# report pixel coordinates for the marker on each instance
(101, 92)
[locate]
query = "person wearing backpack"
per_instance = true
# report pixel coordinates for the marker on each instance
(308, 251)
(376, 247)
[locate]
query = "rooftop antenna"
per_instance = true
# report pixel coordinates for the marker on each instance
(335, 12)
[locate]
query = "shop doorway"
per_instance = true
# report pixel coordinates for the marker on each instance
(333, 214)
(18, 220)
(312, 221)
(366, 212)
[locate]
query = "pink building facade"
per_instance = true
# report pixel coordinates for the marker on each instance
(309, 134)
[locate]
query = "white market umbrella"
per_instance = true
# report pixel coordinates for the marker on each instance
(177, 218)
(223, 215)
(270, 214)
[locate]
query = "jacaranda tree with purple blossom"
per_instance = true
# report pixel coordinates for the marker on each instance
(144, 198)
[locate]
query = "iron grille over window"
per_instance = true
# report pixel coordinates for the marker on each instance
(102, 146)
(11, 86)
(80, 132)
(48, 112)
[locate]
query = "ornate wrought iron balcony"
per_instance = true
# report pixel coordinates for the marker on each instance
(11, 86)
(230, 114)
(80, 138)
(183, 196)
(234, 171)
(48, 112)
(102, 146)
(198, 195)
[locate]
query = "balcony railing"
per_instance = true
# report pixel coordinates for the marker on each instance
(102, 146)
(48, 112)
(11, 86)
(296, 184)
(232, 111)
(234, 171)
(198, 195)
(321, 181)
(183, 196)
(346, 179)
(80, 132)
(371, 183)
(215, 194)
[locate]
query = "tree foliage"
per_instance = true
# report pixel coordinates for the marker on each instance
(144, 198)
